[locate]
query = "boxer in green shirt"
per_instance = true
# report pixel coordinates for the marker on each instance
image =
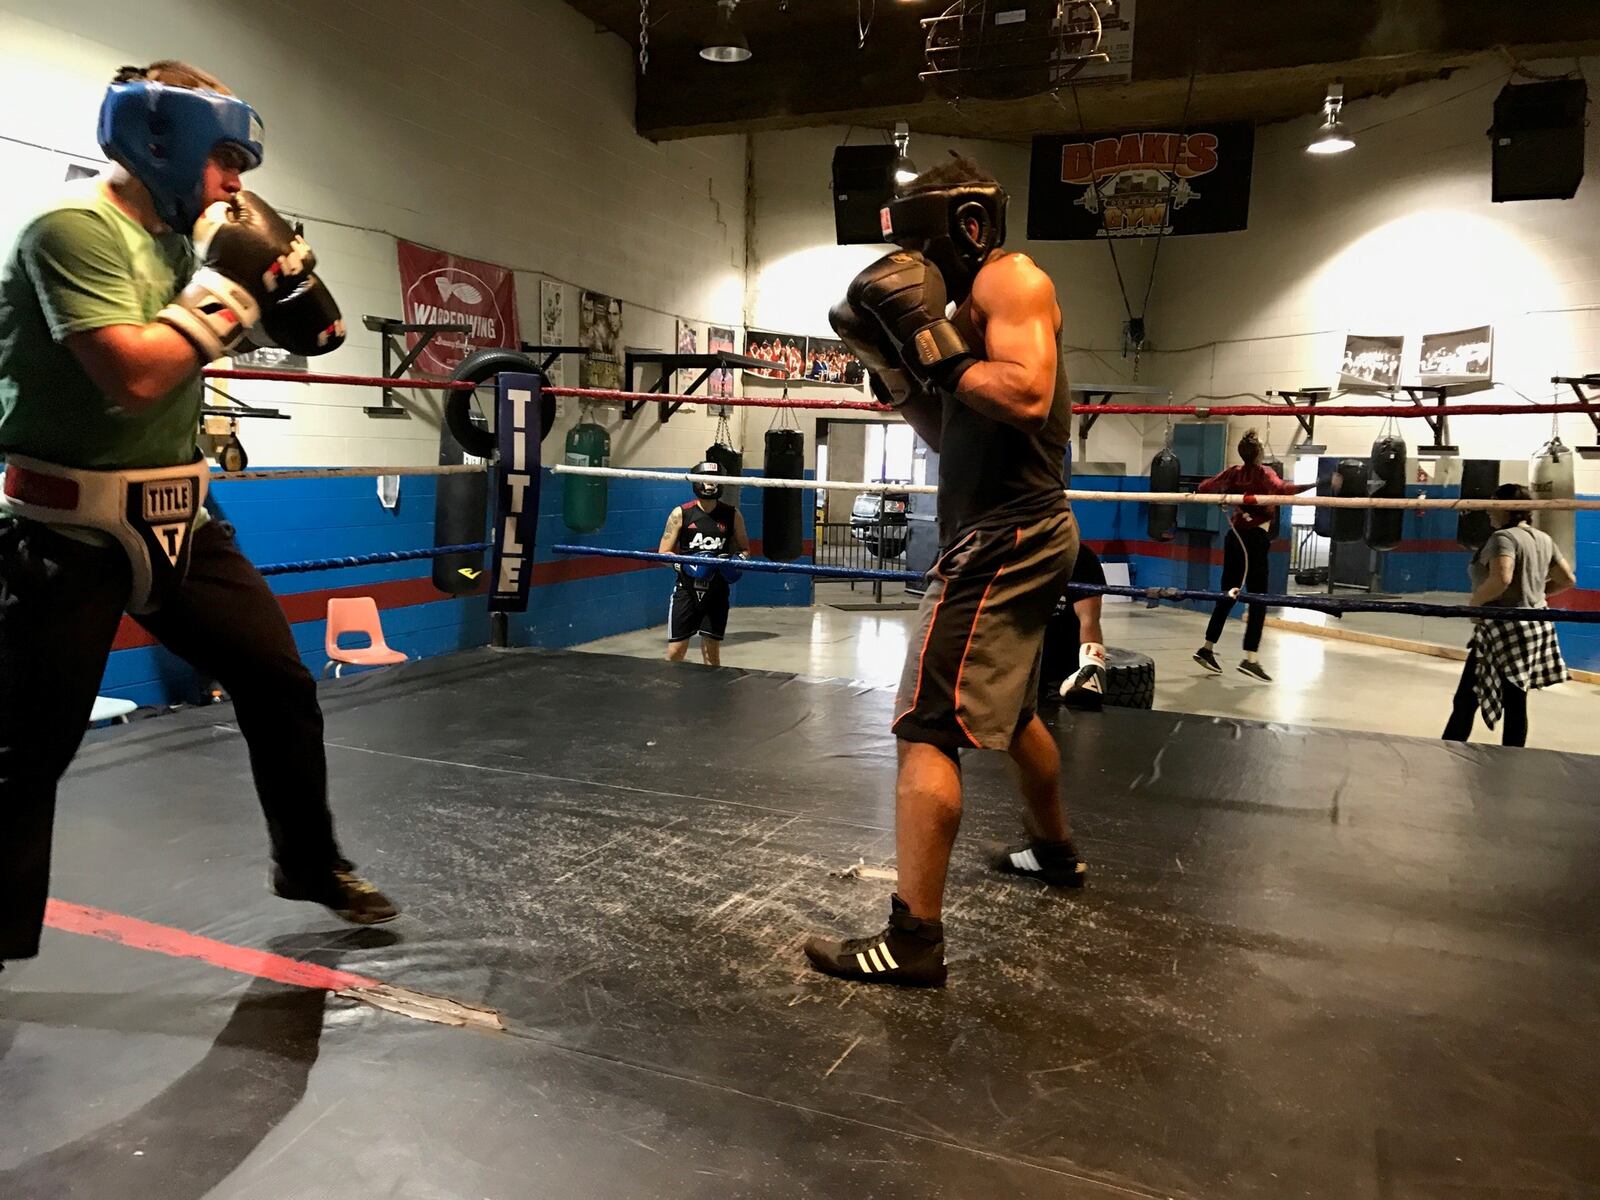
(110, 303)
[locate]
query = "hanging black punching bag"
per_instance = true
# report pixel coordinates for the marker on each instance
(1479, 478)
(1388, 480)
(1165, 475)
(1350, 524)
(782, 530)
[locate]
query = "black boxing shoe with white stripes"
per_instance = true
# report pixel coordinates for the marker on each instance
(1054, 863)
(909, 952)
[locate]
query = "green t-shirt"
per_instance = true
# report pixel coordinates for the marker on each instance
(85, 264)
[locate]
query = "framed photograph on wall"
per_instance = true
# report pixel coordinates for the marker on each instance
(787, 351)
(1461, 358)
(688, 343)
(719, 341)
(553, 323)
(600, 334)
(829, 362)
(1371, 364)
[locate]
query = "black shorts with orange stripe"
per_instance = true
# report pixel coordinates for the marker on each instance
(971, 678)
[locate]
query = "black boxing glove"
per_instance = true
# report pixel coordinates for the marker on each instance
(906, 294)
(862, 336)
(305, 320)
(250, 258)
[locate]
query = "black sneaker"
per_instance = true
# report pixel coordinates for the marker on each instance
(1208, 660)
(909, 952)
(350, 897)
(1255, 670)
(1055, 863)
(1086, 690)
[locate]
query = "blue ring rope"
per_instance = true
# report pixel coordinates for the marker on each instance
(369, 560)
(1151, 596)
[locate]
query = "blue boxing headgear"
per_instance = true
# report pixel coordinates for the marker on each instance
(936, 220)
(164, 135)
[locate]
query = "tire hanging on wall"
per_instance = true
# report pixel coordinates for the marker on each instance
(782, 530)
(1553, 479)
(1166, 475)
(1386, 525)
(478, 367)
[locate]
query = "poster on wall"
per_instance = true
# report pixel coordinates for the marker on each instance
(719, 341)
(600, 335)
(688, 343)
(787, 351)
(1463, 358)
(1145, 184)
(1116, 42)
(553, 324)
(446, 289)
(829, 362)
(1371, 364)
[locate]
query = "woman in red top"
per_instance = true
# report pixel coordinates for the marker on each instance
(1244, 554)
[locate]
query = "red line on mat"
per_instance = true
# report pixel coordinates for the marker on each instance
(163, 939)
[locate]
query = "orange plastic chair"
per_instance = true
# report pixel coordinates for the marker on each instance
(358, 614)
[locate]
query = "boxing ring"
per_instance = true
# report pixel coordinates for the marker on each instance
(1308, 962)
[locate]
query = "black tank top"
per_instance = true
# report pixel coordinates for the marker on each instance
(705, 532)
(992, 474)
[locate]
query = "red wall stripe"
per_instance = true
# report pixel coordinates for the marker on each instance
(403, 593)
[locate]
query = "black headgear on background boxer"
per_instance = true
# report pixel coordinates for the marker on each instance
(935, 221)
(707, 490)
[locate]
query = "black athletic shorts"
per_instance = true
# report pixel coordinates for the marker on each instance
(971, 678)
(698, 607)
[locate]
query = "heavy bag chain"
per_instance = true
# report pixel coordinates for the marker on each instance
(785, 417)
(644, 37)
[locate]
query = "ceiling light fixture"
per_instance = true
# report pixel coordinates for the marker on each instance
(1333, 137)
(727, 43)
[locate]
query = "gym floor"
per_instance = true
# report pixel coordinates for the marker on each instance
(1308, 963)
(1317, 682)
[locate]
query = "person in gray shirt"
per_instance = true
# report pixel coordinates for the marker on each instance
(1518, 567)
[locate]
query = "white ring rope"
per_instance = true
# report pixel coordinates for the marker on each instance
(344, 472)
(1214, 499)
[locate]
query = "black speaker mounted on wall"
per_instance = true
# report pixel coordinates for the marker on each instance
(1538, 140)
(863, 181)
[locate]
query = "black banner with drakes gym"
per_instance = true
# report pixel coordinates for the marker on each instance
(1129, 185)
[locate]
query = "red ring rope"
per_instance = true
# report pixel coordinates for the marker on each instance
(1331, 410)
(1110, 410)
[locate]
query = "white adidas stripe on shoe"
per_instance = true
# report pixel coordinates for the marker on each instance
(870, 961)
(1026, 860)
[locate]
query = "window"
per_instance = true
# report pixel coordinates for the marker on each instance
(890, 453)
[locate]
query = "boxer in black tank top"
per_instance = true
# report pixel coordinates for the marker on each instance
(986, 388)
(708, 528)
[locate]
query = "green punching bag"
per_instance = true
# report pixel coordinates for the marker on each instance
(584, 496)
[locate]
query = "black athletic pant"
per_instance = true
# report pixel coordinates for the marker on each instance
(1235, 570)
(1514, 726)
(60, 604)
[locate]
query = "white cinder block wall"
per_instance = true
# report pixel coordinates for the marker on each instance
(499, 129)
(511, 140)
(1398, 236)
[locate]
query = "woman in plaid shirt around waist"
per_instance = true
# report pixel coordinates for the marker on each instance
(1518, 567)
